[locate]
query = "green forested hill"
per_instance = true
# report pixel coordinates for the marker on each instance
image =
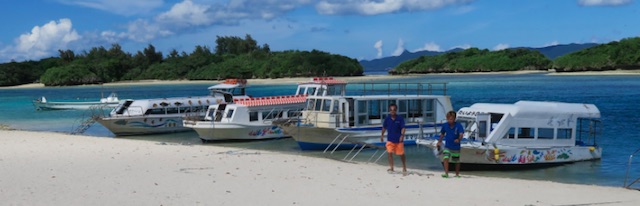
(623, 54)
(233, 57)
(476, 60)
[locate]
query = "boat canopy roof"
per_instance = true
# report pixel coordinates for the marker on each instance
(229, 84)
(533, 109)
(324, 80)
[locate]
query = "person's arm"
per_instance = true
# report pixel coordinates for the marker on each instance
(382, 135)
(402, 135)
(461, 132)
(441, 136)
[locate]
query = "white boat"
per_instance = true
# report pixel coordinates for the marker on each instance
(164, 115)
(526, 134)
(109, 102)
(251, 118)
(344, 122)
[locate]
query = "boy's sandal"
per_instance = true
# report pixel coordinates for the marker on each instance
(445, 176)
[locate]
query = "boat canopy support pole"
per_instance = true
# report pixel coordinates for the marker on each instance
(329, 146)
(628, 186)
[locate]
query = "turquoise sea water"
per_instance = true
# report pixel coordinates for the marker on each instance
(617, 98)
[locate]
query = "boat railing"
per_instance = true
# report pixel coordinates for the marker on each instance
(628, 184)
(437, 88)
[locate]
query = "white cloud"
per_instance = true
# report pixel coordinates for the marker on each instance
(399, 48)
(603, 2)
(378, 46)
(553, 43)
(431, 46)
(375, 7)
(121, 7)
(42, 41)
(500, 46)
(186, 14)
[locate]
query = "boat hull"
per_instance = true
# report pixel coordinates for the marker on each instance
(72, 105)
(314, 138)
(231, 131)
(475, 156)
(141, 125)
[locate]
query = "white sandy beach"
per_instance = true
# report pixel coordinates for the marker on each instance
(354, 79)
(41, 168)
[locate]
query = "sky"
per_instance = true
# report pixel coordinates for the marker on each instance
(360, 29)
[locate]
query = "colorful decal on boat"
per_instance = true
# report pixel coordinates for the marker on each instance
(266, 131)
(531, 156)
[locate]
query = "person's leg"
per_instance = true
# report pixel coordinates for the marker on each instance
(458, 168)
(390, 151)
(445, 162)
(400, 151)
(390, 161)
(404, 163)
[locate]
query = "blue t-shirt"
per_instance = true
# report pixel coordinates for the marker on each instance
(450, 134)
(394, 128)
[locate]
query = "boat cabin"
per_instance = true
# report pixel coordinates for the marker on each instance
(223, 92)
(529, 123)
(359, 111)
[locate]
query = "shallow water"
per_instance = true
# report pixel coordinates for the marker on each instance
(615, 96)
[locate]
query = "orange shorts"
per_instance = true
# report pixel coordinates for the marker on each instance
(395, 148)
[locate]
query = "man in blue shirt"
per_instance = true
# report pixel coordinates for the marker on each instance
(395, 137)
(452, 133)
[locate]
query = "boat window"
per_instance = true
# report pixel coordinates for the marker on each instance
(318, 106)
(293, 113)
(155, 111)
(362, 107)
(311, 91)
(321, 91)
(335, 107)
(526, 133)
(172, 110)
(300, 90)
(267, 115)
(230, 113)
(482, 129)
(511, 134)
(545, 133)
(374, 109)
(210, 115)
(334, 90)
(310, 104)
(238, 91)
(564, 133)
(326, 105)
(253, 116)
(123, 107)
(415, 108)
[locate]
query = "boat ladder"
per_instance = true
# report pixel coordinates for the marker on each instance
(626, 178)
(84, 126)
(357, 145)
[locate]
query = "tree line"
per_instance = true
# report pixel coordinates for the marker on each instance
(623, 54)
(233, 57)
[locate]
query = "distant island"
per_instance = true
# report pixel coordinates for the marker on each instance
(623, 54)
(386, 63)
(233, 57)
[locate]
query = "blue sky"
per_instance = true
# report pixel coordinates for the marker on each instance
(362, 29)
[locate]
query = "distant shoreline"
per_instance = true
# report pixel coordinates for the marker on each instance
(365, 78)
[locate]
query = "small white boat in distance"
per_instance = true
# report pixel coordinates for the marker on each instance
(109, 102)
(251, 118)
(164, 115)
(526, 134)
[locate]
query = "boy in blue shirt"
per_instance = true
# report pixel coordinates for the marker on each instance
(452, 133)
